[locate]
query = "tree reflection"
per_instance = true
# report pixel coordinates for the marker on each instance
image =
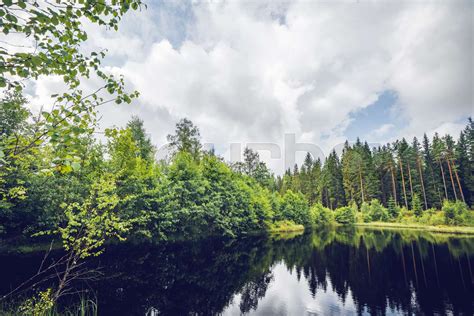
(253, 291)
(412, 272)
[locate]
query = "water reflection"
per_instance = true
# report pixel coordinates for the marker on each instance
(350, 271)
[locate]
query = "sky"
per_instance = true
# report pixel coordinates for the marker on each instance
(251, 72)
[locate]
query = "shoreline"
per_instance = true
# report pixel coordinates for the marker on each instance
(462, 230)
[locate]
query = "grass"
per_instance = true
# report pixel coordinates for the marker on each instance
(439, 229)
(285, 227)
(85, 307)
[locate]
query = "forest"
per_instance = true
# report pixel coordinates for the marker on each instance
(58, 179)
(196, 193)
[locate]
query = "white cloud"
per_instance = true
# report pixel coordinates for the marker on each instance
(253, 71)
(383, 130)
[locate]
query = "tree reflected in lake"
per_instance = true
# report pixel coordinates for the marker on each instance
(350, 271)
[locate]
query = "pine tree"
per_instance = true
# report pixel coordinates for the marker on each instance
(416, 206)
(332, 189)
(392, 167)
(383, 162)
(468, 175)
(315, 179)
(306, 180)
(463, 166)
(400, 155)
(392, 208)
(143, 142)
(438, 153)
(417, 157)
(449, 157)
(251, 161)
(433, 193)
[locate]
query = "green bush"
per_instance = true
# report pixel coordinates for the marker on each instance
(365, 211)
(428, 216)
(392, 208)
(457, 213)
(294, 207)
(416, 206)
(359, 217)
(377, 211)
(284, 226)
(345, 215)
(405, 216)
(437, 218)
(321, 215)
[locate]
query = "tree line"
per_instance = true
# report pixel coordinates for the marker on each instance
(121, 183)
(194, 192)
(399, 173)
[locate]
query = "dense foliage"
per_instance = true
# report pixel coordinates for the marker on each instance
(394, 182)
(193, 194)
(121, 185)
(55, 176)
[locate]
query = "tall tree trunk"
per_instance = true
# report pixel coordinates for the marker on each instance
(327, 198)
(393, 185)
(361, 185)
(382, 187)
(330, 200)
(409, 179)
(422, 182)
(435, 185)
(403, 183)
(452, 181)
(444, 181)
(459, 182)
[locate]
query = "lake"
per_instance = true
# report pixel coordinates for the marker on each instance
(351, 271)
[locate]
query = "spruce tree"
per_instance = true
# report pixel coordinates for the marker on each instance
(464, 166)
(392, 208)
(416, 205)
(433, 192)
(420, 182)
(331, 185)
(143, 142)
(439, 151)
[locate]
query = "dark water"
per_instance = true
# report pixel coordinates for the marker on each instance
(345, 272)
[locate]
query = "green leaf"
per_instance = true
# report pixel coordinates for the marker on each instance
(76, 166)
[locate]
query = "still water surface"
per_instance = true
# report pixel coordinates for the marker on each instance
(344, 272)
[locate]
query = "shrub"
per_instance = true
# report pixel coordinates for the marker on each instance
(467, 218)
(294, 207)
(355, 208)
(392, 208)
(426, 217)
(284, 226)
(344, 215)
(456, 213)
(437, 217)
(416, 205)
(321, 215)
(365, 210)
(359, 217)
(405, 216)
(377, 212)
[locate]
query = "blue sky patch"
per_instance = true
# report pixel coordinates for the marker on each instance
(373, 117)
